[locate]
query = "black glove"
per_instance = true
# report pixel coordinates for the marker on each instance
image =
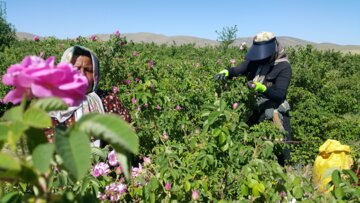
(222, 75)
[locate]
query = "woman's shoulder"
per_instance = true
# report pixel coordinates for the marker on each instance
(283, 66)
(108, 98)
(104, 93)
(112, 104)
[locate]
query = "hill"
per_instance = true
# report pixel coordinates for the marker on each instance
(145, 37)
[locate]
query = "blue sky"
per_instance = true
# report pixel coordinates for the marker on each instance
(314, 20)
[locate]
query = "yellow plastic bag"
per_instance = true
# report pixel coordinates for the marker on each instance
(332, 155)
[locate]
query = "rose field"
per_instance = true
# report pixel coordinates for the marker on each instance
(189, 140)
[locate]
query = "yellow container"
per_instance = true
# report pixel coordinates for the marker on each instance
(332, 155)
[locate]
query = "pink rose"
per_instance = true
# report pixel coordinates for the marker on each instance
(112, 158)
(118, 170)
(101, 196)
(147, 160)
(114, 192)
(133, 100)
(117, 33)
(165, 136)
(93, 38)
(235, 105)
(136, 171)
(151, 64)
(168, 186)
(36, 38)
(100, 169)
(115, 89)
(195, 195)
(35, 77)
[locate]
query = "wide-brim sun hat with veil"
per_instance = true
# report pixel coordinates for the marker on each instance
(264, 46)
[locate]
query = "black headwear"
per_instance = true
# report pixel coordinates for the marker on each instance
(261, 50)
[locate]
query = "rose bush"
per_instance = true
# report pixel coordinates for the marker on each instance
(205, 150)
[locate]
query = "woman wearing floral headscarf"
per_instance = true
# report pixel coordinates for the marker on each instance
(97, 101)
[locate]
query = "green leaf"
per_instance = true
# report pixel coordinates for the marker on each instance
(216, 132)
(205, 186)
(224, 147)
(7, 162)
(225, 130)
(14, 114)
(335, 177)
(74, 149)
(17, 129)
(203, 163)
(298, 192)
(4, 134)
(339, 193)
(123, 159)
(244, 190)
(227, 115)
(35, 137)
(4, 131)
(144, 98)
(50, 104)
(352, 175)
(187, 186)
(222, 138)
(252, 182)
(174, 174)
(27, 174)
(297, 181)
(42, 156)
(98, 152)
(222, 105)
(111, 129)
(210, 159)
(37, 118)
(152, 197)
(154, 184)
(213, 116)
(205, 114)
(13, 197)
(258, 189)
(85, 184)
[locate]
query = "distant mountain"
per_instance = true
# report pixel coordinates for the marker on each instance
(25, 35)
(163, 39)
(179, 40)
